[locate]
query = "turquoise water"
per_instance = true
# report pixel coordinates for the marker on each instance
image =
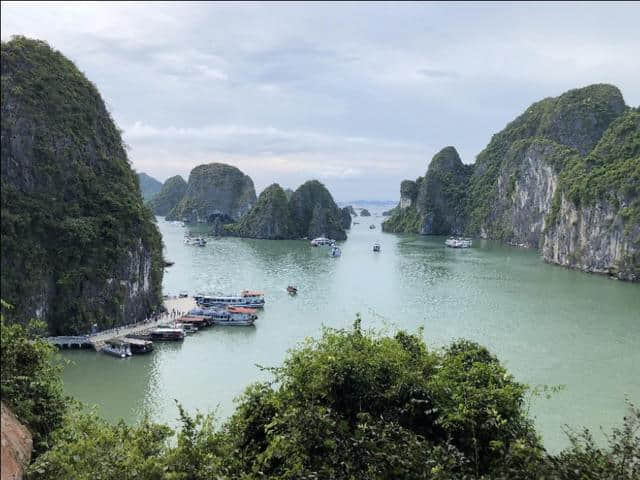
(547, 324)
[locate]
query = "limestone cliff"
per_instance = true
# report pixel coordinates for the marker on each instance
(594, 220)
(215, 190)
(169, 196)
(315, 213)
(269, 218)
(78, 245)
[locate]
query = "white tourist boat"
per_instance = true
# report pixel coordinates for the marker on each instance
(458, 242)
(335, 252)
(248, 298)
(232, 316)
(321, 241)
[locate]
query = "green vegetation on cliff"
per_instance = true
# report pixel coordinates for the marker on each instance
(30, 381)
(269, 218)
(149, 186)
(78, 243)
(169, 196)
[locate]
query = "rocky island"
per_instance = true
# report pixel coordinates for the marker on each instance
(215, 191)
(563, 177)
(270, 217)
(78, 245)
(311, 212)
(169, 196)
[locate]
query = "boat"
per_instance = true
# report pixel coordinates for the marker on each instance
(247, 298)
(321, 241)
(187, 327)
(138, 346)
(292, 290)
(167, 333)
(335, 252)
(372, 226)
(196, 241)
(183, 295)
(234, 316)
(376, 247)
(117, 349)
(458, 242)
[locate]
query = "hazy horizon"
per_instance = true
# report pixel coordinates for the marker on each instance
(359, 96)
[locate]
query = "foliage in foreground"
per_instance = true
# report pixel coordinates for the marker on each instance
(30, 383)
(351, 405)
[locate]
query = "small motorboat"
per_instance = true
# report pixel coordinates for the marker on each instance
(335, 252)
(183, 295)
(376, 247)
(292, 290)
(118, 349)
(372, 226)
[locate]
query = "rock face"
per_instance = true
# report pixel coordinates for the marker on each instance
(213, 190)
(365, 213)
(594, 221)
(409, 192)
(17, 445)
(149, 186)
(346, 218)
(564, 177)
(352, 210)
(314, 212)
(169, 196)
(78, 245)
(269, 218)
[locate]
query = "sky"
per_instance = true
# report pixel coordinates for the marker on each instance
(359, 96)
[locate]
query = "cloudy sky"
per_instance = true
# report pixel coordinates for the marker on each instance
(359, 96)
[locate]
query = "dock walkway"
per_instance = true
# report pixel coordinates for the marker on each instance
(175, 307)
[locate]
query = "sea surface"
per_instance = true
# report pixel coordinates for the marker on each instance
(548, 325)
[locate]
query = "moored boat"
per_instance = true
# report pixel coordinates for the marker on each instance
(236, 316)
(167, 333)
(138, 346)
(335, 252)
(117, 349)
(247, 298)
